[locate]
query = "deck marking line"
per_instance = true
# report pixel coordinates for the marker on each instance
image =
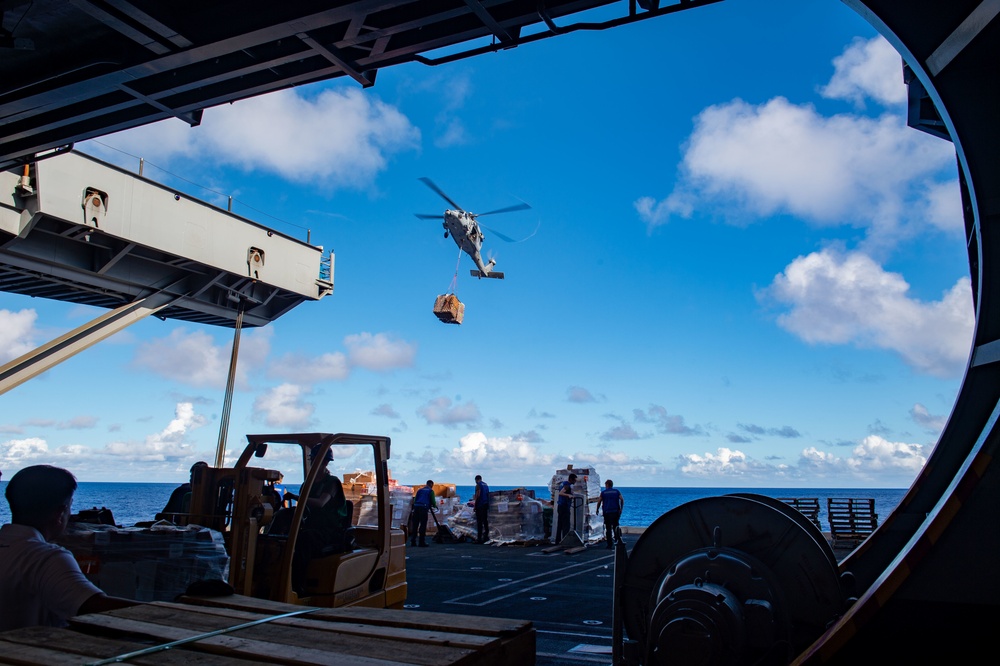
(571, 633)
(587, 648)
(574, 658)
(515, 592)
(521, 580)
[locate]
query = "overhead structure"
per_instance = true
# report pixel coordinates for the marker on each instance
(77, 69)
(75, 229)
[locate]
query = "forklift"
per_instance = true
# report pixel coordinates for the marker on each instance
(241, 502)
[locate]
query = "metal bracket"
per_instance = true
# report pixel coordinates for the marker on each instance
(95, 205)
(255, 262)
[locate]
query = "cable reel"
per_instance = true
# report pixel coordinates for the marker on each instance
(722, 581)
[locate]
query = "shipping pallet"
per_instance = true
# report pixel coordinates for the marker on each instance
(237, 631)
(851, 519)
(807, 506)
(571, 545)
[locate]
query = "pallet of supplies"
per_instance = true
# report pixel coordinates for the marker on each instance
(154, 563)
(449, 309)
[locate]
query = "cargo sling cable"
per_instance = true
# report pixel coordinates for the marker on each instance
(453, 287)
(191, 639)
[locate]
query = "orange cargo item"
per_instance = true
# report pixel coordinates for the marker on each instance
(449, 309)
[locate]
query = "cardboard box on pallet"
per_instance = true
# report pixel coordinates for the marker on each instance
(444, 490)
(359, 477)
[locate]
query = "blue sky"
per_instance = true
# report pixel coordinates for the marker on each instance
(748, 272)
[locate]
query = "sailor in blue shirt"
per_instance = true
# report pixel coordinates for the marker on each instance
(422, 503)
(612, 502)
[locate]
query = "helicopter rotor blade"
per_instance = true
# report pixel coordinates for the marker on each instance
(500, 235)
(508, 209)
(430, 183)
(508, 238)
(429, 216)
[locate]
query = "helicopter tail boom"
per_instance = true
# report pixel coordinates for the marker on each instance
(492, 274)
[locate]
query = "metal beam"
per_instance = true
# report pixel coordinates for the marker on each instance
(498, 30)
(121, 27)
(66, 346)
(165, 31)
(330, 54)
(963, 35)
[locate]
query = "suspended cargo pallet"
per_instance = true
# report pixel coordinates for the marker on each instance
(449, 309)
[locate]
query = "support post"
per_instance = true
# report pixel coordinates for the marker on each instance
(36, 362)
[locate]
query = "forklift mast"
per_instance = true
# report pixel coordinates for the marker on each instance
(241, 502)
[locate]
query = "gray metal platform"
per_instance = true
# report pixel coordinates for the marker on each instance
(87, 232)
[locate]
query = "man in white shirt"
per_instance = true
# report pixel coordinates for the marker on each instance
(40, 582)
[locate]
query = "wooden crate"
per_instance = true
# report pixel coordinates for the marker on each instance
(449, 309)
(361, 636)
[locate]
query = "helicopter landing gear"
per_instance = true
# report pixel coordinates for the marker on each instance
(446, 234)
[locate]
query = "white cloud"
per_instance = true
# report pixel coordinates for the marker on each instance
(821, 463)
(579, 394)
(849, 299)
(867, 69)
(667, 424)
(386, 410)
(456, 89)
(450, 90)
(309, 370)
(168, 446)
(622, 432)
(78, 423)
(785, 158)
(18, 452)
(171, 443)
(379, 352)
(931, 422)
(619, 433)
(337, 138)
(873, 459)
(877, 455)
(943, 206)
(452, 134)
(725, 462)
(516, 460)
(194, 358)
(607, 462)
(477, 452)
(75, 423)
(284, 406)
(17, 333)
(441, 410)
(744, 160)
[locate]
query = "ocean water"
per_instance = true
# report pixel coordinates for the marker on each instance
(134, 502)
(129, 502)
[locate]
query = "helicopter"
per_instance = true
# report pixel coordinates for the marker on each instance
(464, 229)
